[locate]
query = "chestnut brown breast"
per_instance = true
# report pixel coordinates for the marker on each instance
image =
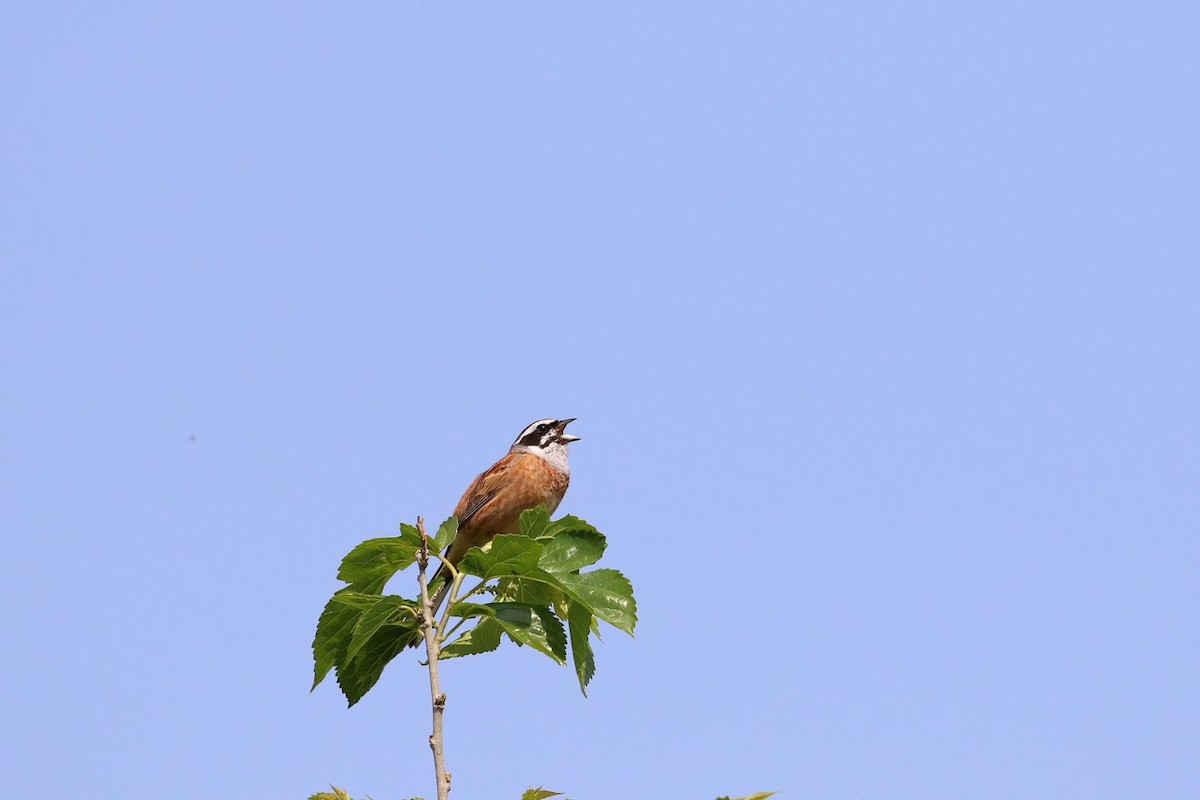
(494, 501)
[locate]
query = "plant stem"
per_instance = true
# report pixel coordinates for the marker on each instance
(451, 598)
(433, 651)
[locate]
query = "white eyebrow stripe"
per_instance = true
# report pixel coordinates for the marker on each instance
(530, 428)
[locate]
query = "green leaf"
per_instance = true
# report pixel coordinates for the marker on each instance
(535, 626)
(571, 550)
(529, 590)
(335, 629)
(444, 536)
(539, 794)
(483, 638)
(535, 578)
(562, 606)
(410, 534)
(555, 635)
(368, 566)
(336, 794)
(539, 575)
(579, 620)
(534, 521)
(388, 609)
(604, 592)
(567, 523)
(508, 555)
(467, 610)
(357, 677)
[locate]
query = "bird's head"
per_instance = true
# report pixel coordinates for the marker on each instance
(545, 434)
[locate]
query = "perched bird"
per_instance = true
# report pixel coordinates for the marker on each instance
(534, 472)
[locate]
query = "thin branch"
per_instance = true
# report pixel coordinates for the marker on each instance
(451, 598)
(453, 569)
(446, 630)
(454, 628)
(433, 651)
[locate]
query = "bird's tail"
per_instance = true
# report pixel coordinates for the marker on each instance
(439, 597)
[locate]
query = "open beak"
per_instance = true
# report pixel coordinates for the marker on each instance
(563, 436)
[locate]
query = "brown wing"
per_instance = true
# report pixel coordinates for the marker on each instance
(494, 502)
(482, 491)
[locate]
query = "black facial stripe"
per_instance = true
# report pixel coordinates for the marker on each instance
(533, 436)
(531, 439)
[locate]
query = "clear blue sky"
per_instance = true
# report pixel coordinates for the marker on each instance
(880, 323)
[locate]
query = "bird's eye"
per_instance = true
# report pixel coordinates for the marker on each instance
(543, 428)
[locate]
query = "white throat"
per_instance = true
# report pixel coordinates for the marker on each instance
(554, 453)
